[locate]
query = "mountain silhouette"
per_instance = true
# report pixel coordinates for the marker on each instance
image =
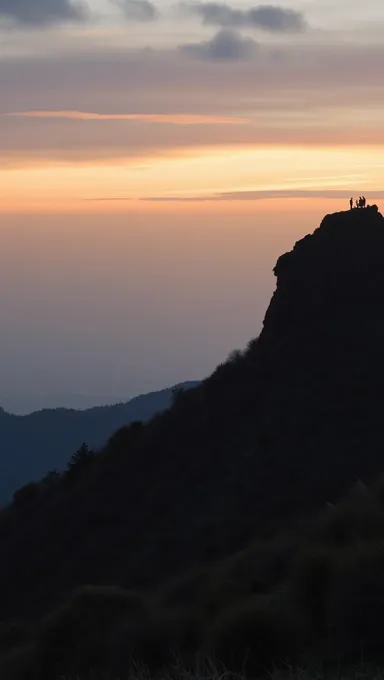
(261, 446)
(33, 444)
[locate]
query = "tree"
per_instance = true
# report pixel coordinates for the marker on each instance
(80, 459)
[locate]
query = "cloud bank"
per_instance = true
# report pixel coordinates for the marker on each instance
(265, 17)
(314, 95)
(42, 12)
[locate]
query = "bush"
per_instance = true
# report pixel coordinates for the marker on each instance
(357, 603)
(311, 581)
(256, 635)
(157, 639)
(80, 635)
(109, 630)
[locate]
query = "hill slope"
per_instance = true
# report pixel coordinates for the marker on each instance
(45, 440)
(261, 445)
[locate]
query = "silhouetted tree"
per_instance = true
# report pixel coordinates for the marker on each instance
(80, 459)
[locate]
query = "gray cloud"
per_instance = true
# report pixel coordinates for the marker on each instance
(41, 12)
(317, 95)
(266, 17)
(227, 45)
(138, 10)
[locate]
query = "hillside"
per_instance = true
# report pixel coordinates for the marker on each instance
(32, 445)
(212, 506)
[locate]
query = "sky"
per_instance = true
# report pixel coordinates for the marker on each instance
(156, 159)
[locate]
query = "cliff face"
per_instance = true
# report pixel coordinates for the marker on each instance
(269, 438)
(324, 328)
(335, 273)
(321, 354)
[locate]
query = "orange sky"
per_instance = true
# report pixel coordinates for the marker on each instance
(201, 173)
(153, 167)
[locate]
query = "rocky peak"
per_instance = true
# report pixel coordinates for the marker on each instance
(329, 273)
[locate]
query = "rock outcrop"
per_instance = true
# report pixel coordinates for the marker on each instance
(329, 274)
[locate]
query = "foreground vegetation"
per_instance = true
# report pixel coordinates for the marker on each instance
(309, 594)
(209, 670)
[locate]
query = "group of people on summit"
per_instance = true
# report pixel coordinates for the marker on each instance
(358, 203)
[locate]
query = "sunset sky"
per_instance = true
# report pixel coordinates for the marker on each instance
(156, 159)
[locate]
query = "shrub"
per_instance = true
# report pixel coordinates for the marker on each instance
(310, 582)
(79, 636)
(156, 639)
(357, 602)
(256, 635)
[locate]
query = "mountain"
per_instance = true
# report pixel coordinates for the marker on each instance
(24, 404)
(45, 440)
(219, 524)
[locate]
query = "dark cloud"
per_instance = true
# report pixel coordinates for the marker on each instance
(138, 10)
(41, 12)
(227, 45)
(266, 17)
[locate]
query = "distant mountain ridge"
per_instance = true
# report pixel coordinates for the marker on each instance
(44, 440)
(23, 404)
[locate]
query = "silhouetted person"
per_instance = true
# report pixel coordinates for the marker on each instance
(357, 203)
(351, 203)
(364, 202)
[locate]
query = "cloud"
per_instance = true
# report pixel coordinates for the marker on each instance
(42, 12)
(265, 17)
(317, 95)
(227, 45)
(170, 119)
(138, 10)
(262, 195)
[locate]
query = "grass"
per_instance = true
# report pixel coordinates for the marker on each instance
(210, 669)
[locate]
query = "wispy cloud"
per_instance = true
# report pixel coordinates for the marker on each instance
(174, 119)
(110, 198)
(262, 195)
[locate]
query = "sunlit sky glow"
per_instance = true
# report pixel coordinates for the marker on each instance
(183, 113)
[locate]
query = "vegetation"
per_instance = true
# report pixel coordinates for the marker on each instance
(31, 444)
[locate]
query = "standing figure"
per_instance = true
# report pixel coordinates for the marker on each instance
(351, 203)
(357, 203)
(364, 202)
